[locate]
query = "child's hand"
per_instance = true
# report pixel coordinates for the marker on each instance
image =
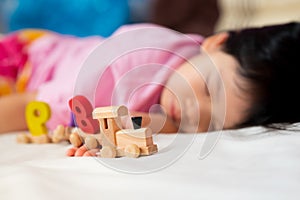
(12, 115)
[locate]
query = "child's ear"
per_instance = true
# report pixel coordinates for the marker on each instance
(214, 42)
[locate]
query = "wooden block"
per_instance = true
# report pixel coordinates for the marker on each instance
(109, 127)
(145, 151)
(140, 137)
(110, 112)
(82, 109)
(111, 124)
(106, 141)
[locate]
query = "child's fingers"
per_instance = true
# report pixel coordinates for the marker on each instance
(71, 151)
(81, 151)
(91, 152)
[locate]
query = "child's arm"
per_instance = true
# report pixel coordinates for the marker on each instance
(159, 123)
(12, 111)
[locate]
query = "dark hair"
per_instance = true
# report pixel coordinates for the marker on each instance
(269, 58)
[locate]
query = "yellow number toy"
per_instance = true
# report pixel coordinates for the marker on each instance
(37, 114)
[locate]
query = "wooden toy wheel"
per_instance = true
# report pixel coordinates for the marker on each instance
(91, 142)
(108, 152)
(41, 139)
(58, 134)
(132, 151)
(75, 139)
(23, 138)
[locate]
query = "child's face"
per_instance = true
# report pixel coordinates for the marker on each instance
(206, 94)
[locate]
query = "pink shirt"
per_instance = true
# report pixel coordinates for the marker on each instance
(134, 79)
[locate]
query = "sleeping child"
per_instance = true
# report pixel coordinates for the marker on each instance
(232, 79)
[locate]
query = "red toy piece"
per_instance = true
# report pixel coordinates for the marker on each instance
(82, 109)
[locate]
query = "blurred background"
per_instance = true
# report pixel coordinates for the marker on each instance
(103, 17)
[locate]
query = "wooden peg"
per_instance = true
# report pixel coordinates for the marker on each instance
(75, 139)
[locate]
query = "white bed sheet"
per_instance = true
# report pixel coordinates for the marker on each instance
(243, 165)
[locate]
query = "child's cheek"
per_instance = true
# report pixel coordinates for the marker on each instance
(190, 115)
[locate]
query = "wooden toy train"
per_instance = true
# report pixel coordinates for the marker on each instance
(113, 141)
(99, 131)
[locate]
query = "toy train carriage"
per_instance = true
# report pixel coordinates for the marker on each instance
(122, 142)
